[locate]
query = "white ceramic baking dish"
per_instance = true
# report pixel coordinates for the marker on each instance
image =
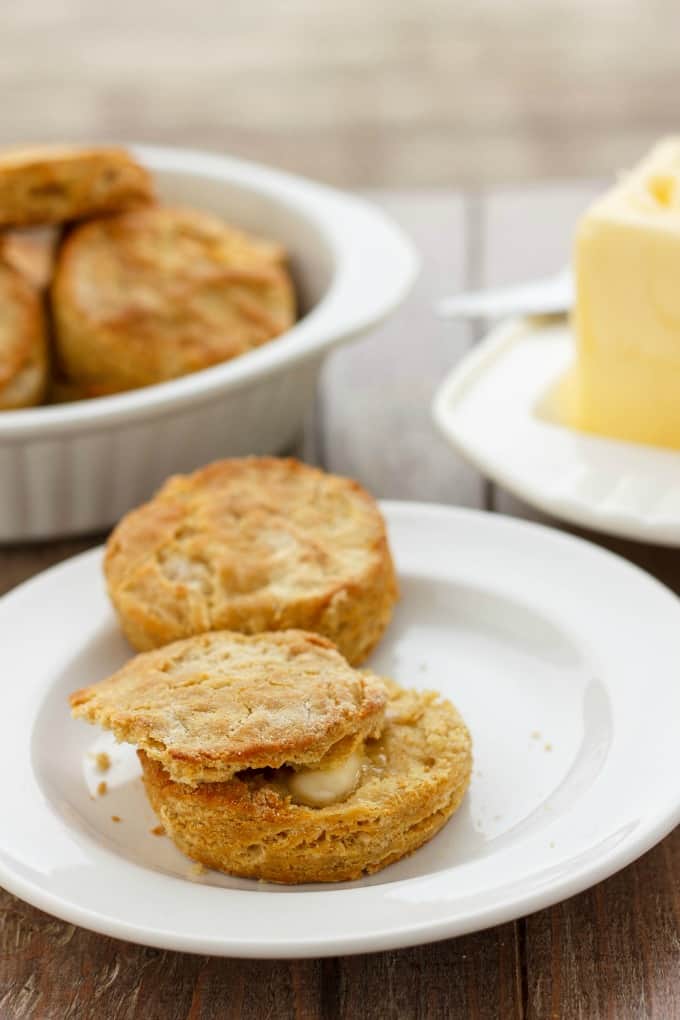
(77, 467)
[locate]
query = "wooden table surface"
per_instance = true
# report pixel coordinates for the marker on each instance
(613, 951)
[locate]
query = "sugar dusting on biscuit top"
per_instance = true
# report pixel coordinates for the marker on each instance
(210, 706)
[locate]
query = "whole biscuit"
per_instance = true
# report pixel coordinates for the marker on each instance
(55, 184)
(253, 545)
(23, 341)
(156, 293)
(210, 706)
(415, 777)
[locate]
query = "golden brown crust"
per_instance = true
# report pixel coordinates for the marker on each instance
(157, 293)
(212, 705)
(56, 184)
(23, 342)
(252, 545)
(415, 777)
(31, 253)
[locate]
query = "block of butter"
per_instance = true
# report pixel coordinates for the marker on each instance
(627, 315)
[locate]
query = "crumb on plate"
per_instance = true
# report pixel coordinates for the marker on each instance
(102, 761)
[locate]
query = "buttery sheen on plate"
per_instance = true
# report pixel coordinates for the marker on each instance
(627, 316)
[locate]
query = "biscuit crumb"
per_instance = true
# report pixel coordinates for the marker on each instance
(102, 788)
(196, 870)
(548, 747)
(116, 818)
(102, 761)
(157, 830)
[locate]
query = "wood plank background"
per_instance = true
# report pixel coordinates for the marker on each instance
(612, 952)
(387, 93)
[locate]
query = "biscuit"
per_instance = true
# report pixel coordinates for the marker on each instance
(156, 293)
(210, 706)
(253, 545)
(413, 778)
(31, 253)
(23, 342)
(56, 184)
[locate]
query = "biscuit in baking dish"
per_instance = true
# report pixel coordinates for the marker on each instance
(55, 184)
(268, 757)
(211, 705)
(31, 253)
(252, 545)
(410, 781)
(23, 342)
(156, 293)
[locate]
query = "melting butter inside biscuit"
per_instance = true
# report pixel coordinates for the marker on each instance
(321, 787)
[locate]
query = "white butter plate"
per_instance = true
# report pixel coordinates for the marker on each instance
(495, 409)
(562, 658)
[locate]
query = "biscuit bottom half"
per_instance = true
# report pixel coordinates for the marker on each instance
(412, 780)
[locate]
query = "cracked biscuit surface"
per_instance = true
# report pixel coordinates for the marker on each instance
(253, 545)
(23, 341)
(212, 705)
(59, 183)
(159, 292)
(412, 779)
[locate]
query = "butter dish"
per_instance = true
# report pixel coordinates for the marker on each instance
(498, 408)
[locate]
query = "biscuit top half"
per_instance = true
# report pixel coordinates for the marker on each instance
(244, 537)
(214, 705)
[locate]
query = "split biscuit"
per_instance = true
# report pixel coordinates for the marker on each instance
(251, 545)
(269, 757)
(410, 781)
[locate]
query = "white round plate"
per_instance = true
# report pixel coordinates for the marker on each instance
(562, 658)
(495, 409)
